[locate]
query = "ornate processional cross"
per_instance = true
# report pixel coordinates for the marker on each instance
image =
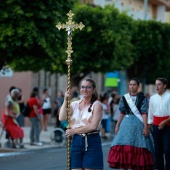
(70, 26)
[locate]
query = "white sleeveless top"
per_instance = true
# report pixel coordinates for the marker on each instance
(81, 118)
(47, 103)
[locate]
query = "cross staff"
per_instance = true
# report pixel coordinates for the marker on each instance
(70, 26)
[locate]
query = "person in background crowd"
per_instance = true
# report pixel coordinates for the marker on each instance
(58, 101)
(132, 147)
(40, 110)
(9, 95)
(75, 89)
(148, 97)
(34, 118)
(111, 102)
(115, 113)
(10, 124)
(46, 108)
(14, 98)
(105, 116)
(86, 115)
(112, 96)
(21, 102)
(159, 120)
(75, 96)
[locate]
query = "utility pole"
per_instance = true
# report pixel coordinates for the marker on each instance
(145, 9)
(145, 18)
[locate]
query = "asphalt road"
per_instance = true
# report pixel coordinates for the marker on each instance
(45, 159)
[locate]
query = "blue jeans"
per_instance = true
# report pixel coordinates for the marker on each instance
(92, 158)
(35, 130)
(20, 120)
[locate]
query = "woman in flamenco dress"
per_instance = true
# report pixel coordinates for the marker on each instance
(132, 147)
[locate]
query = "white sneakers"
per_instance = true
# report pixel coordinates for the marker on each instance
(37, 144)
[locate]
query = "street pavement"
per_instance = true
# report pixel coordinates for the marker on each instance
(45, 138)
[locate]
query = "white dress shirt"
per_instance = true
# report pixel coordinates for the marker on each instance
(159, 105)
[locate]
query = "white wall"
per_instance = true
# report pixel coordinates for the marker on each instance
(161, 13)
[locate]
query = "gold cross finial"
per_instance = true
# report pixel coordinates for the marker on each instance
(70, 25)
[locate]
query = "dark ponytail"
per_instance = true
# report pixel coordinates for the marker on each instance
(93, 99)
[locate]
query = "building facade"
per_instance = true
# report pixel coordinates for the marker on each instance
(141, 9)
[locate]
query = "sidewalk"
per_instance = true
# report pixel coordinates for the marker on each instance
(44, 138)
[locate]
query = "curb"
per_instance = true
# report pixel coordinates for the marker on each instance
(14, 152)
(7, 152)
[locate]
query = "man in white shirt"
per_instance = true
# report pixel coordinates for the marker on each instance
(159, 117)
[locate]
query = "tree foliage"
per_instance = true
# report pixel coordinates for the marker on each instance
(152, 46)
(105, 42)
(30, 41)
(29, 38)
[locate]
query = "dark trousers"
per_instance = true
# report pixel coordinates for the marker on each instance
(162, 147)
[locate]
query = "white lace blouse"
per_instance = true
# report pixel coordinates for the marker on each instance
(79, 117)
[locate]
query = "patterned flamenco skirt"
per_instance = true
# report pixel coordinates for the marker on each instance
(130, 157)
